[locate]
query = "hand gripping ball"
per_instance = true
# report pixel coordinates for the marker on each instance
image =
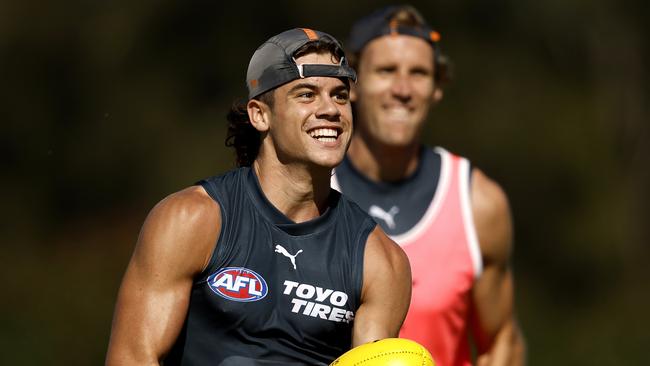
(386, 352)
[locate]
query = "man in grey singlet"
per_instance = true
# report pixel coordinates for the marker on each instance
(229, 272)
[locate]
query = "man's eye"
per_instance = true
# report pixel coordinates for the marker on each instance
(385, 70)
(421, 72)
(343, 97)
(306, 95)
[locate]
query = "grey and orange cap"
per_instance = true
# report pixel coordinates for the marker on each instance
(380, 23)
(273, 64)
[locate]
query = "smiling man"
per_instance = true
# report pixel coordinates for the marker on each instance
(265, 264)
(451, 219)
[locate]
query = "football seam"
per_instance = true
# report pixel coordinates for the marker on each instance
(388, 353)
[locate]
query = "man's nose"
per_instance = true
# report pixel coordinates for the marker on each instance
(327, 108)
(401, 87)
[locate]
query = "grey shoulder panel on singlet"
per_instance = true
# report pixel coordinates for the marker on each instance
(395, 206)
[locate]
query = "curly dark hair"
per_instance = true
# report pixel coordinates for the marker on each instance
(242, 136)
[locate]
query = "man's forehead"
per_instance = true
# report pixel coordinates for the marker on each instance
(389, 42)
(325, 58)
(397, 46)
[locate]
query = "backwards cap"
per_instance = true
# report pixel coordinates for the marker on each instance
(380, 23)
(273, 63)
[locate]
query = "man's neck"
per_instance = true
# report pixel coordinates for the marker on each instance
(381, 163)
(301, 194)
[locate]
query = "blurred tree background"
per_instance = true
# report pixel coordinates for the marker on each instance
(108, 106)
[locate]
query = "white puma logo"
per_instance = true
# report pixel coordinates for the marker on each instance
(292, 258)
(388, 217)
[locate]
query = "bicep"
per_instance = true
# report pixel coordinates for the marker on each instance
(148, 315)
(386, 293)
(154, 295)
(493, 291)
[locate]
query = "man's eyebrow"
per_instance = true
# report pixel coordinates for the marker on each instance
(312, 87)
(343, 87)
(302, 86)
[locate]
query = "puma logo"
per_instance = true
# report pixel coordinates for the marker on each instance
(388, 217)
(292, 258)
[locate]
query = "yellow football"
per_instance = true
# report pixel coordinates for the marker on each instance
(386, 352)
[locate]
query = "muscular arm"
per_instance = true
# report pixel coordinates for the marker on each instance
(175, 244)
(386, 293)
(496, 332)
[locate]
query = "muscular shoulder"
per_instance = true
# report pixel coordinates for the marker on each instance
(492, 218)
(191, 206)
(182, 227)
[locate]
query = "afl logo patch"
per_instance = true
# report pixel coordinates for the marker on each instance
(238, 284)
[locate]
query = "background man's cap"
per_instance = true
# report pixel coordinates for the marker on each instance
(273, 63)
(378, 24)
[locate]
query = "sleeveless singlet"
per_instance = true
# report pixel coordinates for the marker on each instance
(274, 292)
(429, 215)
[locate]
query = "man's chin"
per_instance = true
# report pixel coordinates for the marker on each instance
(329, 162)
(399, 139)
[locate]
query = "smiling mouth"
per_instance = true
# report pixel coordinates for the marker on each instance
(324, 134)
(398, 112)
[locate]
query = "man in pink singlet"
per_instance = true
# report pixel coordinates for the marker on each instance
(450, 218)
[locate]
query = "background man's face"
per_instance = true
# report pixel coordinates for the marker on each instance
(395, 89)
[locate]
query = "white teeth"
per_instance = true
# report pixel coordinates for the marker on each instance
(324, 134)
(398, 111)
(326, 139)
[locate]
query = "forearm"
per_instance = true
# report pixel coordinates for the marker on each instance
(507, 349)
(370, 327)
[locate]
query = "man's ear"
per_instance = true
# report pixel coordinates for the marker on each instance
(258, 114)
(437, 95)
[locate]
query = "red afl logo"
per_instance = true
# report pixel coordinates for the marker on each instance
(238, 284)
